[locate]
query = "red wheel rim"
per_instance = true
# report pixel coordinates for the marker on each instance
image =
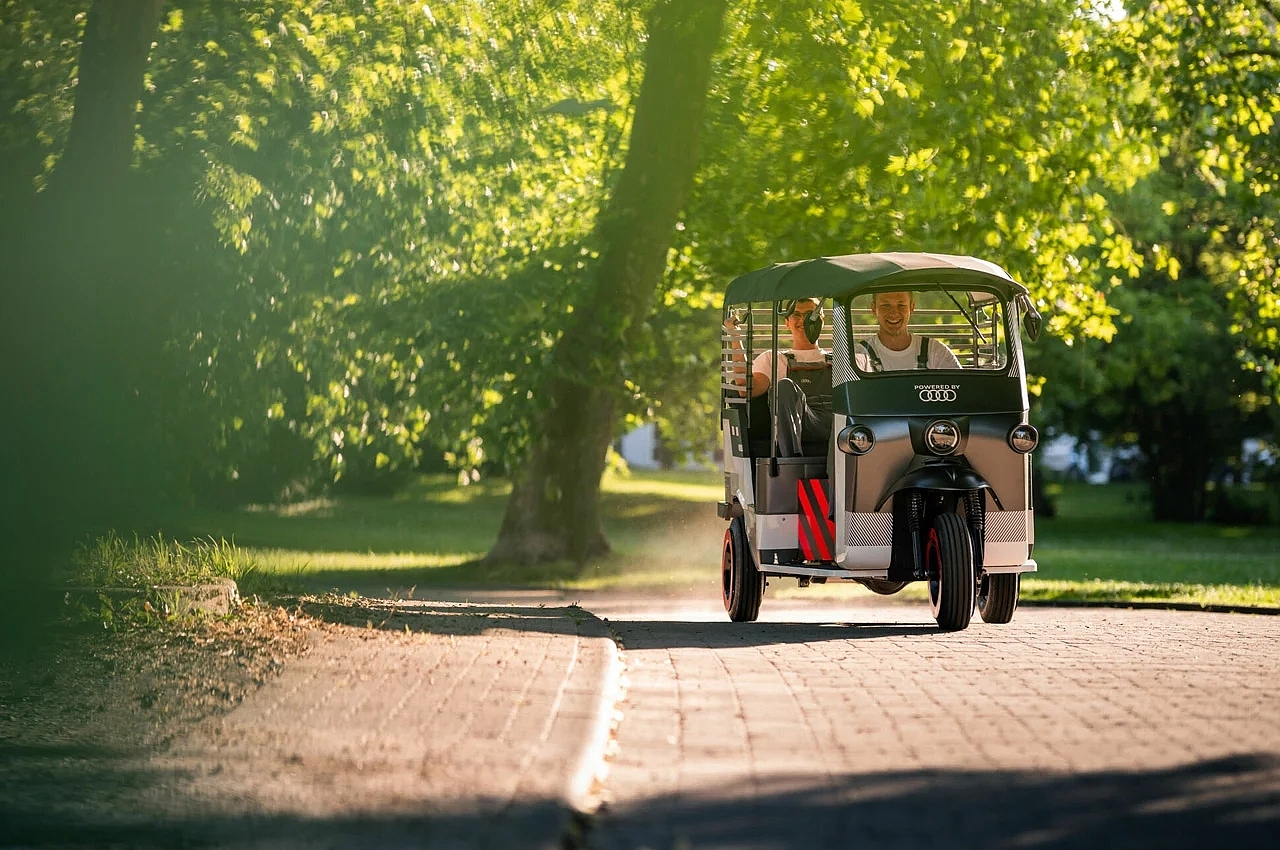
(933, 569)
(932, 554)
(726, 568)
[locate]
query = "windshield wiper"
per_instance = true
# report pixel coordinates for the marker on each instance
(964, 313)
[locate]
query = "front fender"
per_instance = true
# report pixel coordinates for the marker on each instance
(953, 475)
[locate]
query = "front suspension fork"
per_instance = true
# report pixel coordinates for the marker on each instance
(975, 508)
(915, 519)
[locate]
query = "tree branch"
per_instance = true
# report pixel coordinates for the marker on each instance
(1252, 53)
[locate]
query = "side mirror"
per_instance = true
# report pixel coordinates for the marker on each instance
(1031, 321)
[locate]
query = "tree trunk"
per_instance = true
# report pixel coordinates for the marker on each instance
(554, 510)
(72, 332)
(1177, 444)
(113, 61)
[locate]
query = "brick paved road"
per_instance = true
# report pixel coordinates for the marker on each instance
(449, 726)
(464, 726)
(866, 727)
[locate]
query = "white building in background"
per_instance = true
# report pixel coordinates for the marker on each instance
(639, 448)
(1058, 454)
(642, 448)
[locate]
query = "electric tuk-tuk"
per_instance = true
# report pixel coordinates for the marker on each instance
(926, 474)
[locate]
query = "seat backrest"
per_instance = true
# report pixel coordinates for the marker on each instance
(759, 431)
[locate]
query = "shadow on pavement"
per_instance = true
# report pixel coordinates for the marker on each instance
(453, 618)
(476, 618)
(667, 634)
(1231, 802)
(533, 825)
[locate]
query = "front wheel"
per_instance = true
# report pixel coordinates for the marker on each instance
(949, 563)
(998, 597)
(741, 584)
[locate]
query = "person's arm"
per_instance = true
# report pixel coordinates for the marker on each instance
(760, 370)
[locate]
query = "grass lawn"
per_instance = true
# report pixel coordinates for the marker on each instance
(1103, 546)
(667, 538)
(662, 525)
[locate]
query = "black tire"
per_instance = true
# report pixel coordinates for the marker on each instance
(998, 597)
(884, 587)
(741, 584)
(949, 562)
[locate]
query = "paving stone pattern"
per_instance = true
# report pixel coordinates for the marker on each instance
(1066, 728)
(462, 732)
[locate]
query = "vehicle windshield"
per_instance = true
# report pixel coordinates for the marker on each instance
(965, 329)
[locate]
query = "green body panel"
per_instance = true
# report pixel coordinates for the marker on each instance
(899, 394)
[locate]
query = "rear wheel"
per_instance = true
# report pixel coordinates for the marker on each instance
(998, 597)
(949, 563)
(742, 585)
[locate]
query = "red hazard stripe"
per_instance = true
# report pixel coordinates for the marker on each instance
(823, 526)
(827, 527)
(806, 533)
(815, 523)
(807, 536)
(820, 496)
(806, 542)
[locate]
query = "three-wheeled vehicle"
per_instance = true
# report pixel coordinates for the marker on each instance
(927, 473)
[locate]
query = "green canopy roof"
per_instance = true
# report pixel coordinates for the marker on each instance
(831, 277)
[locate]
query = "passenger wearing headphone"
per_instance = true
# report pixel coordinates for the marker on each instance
(894, 346)
(804, 377)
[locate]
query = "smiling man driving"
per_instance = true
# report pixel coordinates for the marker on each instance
(894, 346)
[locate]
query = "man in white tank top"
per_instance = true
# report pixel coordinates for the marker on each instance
(894, 346)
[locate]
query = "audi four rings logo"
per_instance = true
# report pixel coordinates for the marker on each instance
(937, 392)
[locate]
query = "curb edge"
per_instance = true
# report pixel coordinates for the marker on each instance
(592, 764)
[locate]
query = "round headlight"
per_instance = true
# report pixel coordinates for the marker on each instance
(942, 436)
(1023, 438)
(856, 440)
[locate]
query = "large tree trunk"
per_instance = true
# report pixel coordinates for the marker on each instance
(554, 510)
(72, 333)
(113, 60)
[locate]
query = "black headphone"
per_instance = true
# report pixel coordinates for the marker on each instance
(812, 320)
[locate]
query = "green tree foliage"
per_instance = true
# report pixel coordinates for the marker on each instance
(1170, 380)
(839, 127)
(969, 128)
(1193, 367)
(312, 265)
(358, 231)
(1213, 77)
(402, 197)
(39, 45)
(404, 185)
